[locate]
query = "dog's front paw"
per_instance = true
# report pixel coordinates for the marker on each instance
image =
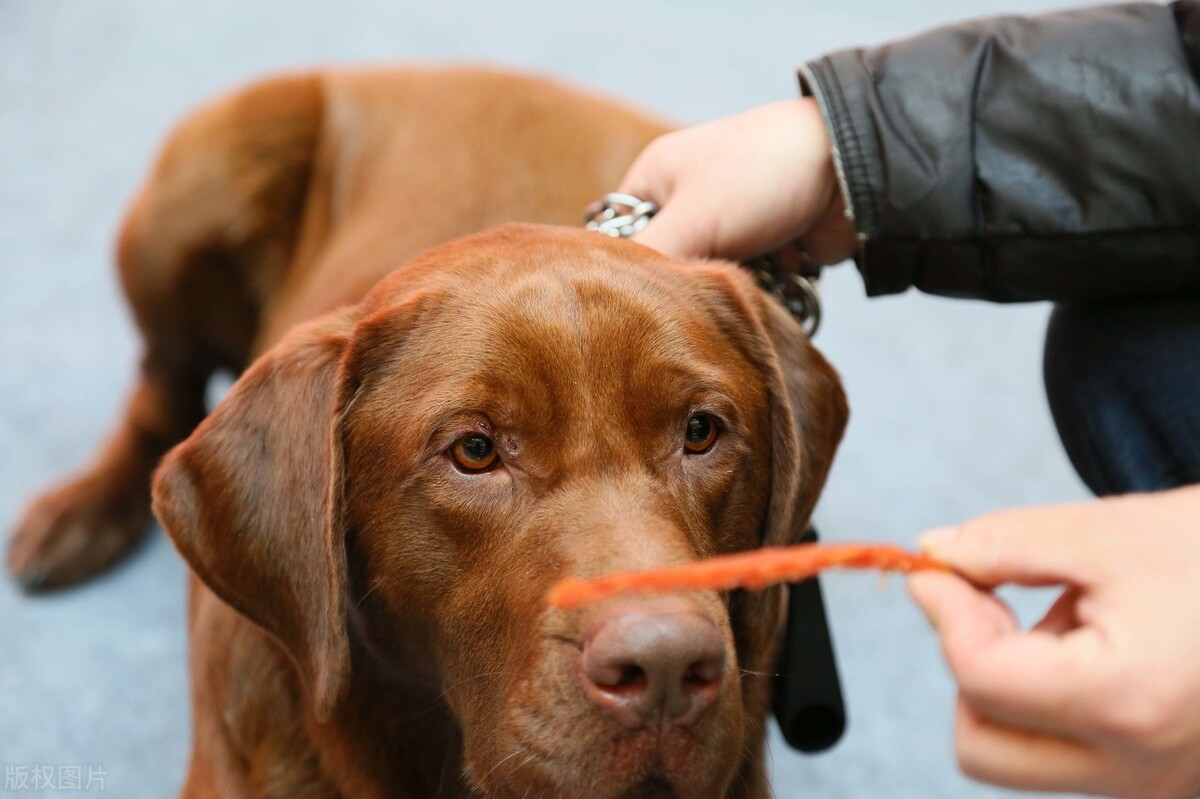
(76, 531)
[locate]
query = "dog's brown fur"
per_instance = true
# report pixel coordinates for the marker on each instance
(367, 620)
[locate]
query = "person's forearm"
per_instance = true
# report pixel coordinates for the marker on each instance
(1020, 159)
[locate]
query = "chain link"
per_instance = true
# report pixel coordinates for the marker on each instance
(619, 215)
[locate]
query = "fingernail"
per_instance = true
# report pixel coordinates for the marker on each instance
(936, 541)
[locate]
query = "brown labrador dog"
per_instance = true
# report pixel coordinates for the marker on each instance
(374, 513)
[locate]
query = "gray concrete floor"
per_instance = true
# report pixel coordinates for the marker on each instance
(949, 418)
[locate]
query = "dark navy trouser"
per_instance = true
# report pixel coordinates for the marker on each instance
(1123, 380)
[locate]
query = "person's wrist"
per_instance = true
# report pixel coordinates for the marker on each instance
(834, 237)
(827, 234)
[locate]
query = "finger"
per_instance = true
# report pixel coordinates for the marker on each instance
(654, 172)
(1061, 618)
(677, 230)
(1026, 761)
(1032, 680)
(1031, 546)
(638, 183)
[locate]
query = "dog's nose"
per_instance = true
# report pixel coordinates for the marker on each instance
(654, 662)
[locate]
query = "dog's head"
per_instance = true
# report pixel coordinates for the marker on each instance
(414, 473)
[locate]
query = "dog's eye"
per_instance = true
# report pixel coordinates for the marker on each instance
(701, 433)
(474, 453)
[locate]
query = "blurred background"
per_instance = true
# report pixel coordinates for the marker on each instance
(948, 417)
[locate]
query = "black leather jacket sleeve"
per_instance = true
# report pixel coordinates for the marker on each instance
(1054, 157)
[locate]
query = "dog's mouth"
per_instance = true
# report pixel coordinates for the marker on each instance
(648, 764)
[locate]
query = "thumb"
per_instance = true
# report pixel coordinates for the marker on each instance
(960, 612)
(1065, 544)
(679, 231)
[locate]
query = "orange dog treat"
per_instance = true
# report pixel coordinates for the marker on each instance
(753, 570)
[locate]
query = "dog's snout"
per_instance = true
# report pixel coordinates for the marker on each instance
(657, 663)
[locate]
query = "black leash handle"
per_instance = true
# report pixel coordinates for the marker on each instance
(808, 700)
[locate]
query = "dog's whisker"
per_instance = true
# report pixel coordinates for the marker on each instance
(482, 675)
(496, 766)
(524, 763)
(368, 592)
(748, 672)
(747, 755)
(745, 674)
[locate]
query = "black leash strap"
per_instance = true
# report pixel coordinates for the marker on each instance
(808, 691)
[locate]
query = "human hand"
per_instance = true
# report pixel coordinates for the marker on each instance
(744, 185)
(1101, 696)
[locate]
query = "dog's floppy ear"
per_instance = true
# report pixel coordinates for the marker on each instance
(808, 416)
(252, 500)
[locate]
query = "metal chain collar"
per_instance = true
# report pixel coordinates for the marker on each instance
(623, 215)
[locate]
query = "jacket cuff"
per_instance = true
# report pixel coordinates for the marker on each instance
(835, 82)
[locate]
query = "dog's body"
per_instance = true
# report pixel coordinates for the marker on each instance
(374, 513)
